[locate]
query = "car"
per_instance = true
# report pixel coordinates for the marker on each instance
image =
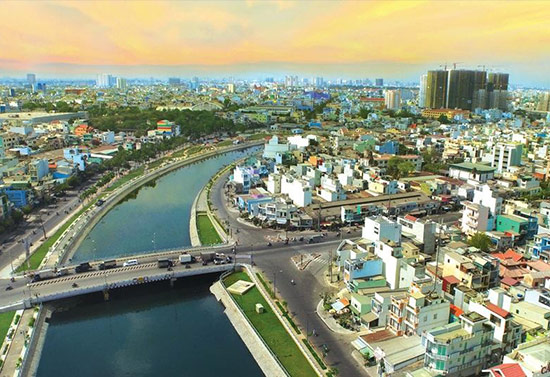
(131, 262)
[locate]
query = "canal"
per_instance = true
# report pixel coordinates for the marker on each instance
(155, 216)
(146, 331)
(151, 330)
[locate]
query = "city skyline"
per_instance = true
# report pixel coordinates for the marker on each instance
(395, 40)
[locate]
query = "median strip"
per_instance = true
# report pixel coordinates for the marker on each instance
(270, 328)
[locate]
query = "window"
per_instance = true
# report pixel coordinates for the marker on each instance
(435, 316)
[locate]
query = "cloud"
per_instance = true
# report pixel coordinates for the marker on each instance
(301, 33)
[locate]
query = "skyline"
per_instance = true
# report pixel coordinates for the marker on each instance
(394, 40)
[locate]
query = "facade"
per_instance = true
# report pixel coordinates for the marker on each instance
(392, 99)
(381, 228)
(272, 148)
(506, 155)
(419, 230)
(436, 89)
(241, 176)
(460, 348)
(467, 171)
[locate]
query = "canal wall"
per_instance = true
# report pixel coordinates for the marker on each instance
(260, 351)
(132, 185)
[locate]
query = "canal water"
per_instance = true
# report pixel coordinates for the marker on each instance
(154, 217)
(150, 330)
(146, 331)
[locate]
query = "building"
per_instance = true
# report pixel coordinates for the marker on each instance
(273, 148)
(533, 357)
(241, 176)
(105, 80)
(167, 128)
(121, 83)
(460, 348)
(466, 171)
(420, 231)
(298, 190)
(436, 90)
(392, 99)
(477, 271)
(379, 82)
(461, 86)
(513, 224)
(420, 310)
(31, 79)
(381, 228)
(506, 155)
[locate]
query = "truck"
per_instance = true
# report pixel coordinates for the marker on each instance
(164, 263)
(186, 258)
(105, 265)
(208, 257)
(83, 267)
(62, 271)
(43, 275)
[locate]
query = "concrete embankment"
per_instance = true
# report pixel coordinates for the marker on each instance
(154, 174)
(250, 337)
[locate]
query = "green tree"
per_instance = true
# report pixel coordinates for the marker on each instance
(405, 168)
(443, 119)
(393, 166)
(481, 241)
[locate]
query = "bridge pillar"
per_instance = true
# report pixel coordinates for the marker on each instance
(106, 294)
(172, 281)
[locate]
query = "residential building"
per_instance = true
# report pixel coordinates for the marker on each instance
(420, 231)
(506, 155)
(466, 171)
(272, 147)
(460, 348)
(532, 357)
(241, 177)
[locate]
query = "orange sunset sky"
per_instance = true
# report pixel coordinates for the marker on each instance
(392, 39)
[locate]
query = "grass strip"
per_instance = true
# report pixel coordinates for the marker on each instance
(119, 182)
(314, 353)
(5, 322)
(207, 233)
(271, 329)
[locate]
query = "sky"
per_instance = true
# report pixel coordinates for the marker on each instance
(396, 40)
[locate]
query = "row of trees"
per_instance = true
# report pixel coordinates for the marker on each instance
(193, 124)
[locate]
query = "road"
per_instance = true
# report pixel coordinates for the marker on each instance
(12, 247)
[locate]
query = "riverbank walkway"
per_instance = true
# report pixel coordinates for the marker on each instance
(12, 362)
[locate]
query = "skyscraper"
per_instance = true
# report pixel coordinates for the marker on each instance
(105, 80)
(379, 82)
(436, 89)
(543, 102)
(461, 85)
(31, 78)
(422, 91)
(121, 83)
(174, 81)
(498, 81)
(392, 99)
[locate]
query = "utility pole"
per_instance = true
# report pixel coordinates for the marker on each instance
(42, 225)
(330, 265)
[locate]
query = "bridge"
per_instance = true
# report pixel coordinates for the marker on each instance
(25, 293)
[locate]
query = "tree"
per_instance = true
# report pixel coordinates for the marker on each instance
(393, 164)
(443, 119)
(481, 241)
(405, 168)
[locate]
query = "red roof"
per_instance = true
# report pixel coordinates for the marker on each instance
(509, 254)
(451, 279)
(410, 218)
(508, 370)
(499, 311)
(456, 311)
(509, 281)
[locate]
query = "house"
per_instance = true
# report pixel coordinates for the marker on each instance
(467, 171)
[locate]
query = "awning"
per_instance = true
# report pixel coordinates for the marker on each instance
(369, 317)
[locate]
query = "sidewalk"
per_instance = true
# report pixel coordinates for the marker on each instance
(17, 345)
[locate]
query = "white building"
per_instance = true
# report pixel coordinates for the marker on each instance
(331, 190)
(392, 99)
(475, 218)
(274, 183)
(242, 176)
(272, 147)
(297, 190)
(419, 230)
(381, 228)
(506, 155)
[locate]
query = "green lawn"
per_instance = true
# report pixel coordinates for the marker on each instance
(225, 143)
(119, 182)
(158, 162)
(271, 329)
(37, 257)
(207, 233)
(5, 322)
(194, 149)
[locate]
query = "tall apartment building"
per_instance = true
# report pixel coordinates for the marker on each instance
(436, 89)
(463, 89)
(31, 78)
(392, 99)
(544, 102)
(460, 348)
(121, 83)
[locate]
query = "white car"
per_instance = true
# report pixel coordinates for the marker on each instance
(131, 262)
